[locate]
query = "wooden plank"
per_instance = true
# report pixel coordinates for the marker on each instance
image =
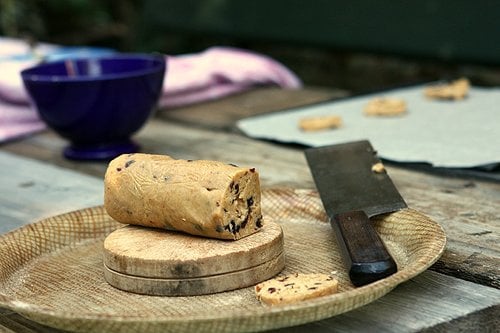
(486, 321)
(11, 322)
(47, 146)
(425, 303)
(427, 300)
(421, 303)
(223, 113)
(219, 114)
(31, 189)
(466, 208)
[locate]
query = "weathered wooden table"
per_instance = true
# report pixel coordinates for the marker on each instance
(459, 293)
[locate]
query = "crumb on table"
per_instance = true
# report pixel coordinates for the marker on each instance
(378, 167)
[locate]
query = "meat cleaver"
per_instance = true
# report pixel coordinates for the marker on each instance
(353, 191)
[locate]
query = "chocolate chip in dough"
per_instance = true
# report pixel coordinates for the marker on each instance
(128, 163)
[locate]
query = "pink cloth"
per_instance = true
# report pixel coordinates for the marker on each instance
(192, 78)
(17, 117)
(18, 120)
(218, 72)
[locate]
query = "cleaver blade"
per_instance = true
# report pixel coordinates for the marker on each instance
(352, 193)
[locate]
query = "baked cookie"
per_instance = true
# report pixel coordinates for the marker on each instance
(205, 198)
(455, 90)
(384, 106)
(294, 288)
(318, 123)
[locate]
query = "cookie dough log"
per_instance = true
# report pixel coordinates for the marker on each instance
(199, 197)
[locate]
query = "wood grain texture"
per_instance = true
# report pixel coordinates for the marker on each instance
(155, 253)
(428, 298)
(159, 262)
(430, 292)
(485, 321)
(363, 250)
(467, 208)
(52, 273)
(429, 311)
(221, 114)
(197, 285)
(24, 183)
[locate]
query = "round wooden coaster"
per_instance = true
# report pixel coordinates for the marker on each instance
(160, 262)
(196, 286)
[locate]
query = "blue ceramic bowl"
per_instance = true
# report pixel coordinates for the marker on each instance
(97, 103)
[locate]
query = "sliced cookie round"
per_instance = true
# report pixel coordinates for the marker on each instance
(287, 289)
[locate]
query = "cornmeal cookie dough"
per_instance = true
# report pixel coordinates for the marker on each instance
(205, 198)
(318, 123)
(295, 288)
(383, 106)
(455, 90)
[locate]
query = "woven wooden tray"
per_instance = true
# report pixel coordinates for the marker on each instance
(52, 272)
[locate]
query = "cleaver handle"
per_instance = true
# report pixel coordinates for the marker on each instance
(364, 252)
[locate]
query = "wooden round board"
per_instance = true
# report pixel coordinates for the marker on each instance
(196, 286)
(161, 262)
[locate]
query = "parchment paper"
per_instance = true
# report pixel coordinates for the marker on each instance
(452, 134)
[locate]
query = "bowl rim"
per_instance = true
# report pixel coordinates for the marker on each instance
(27, 74)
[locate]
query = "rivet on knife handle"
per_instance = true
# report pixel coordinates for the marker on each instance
(364, 252)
